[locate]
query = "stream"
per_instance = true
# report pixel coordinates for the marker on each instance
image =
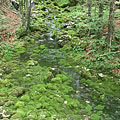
(53, 48)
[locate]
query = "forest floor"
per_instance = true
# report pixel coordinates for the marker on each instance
(9, 23)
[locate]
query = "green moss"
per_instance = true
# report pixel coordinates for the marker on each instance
(25, 98)
(9, 103)
(17, 116)
(20, 112)
(86, 74)
(67, 47)
(42, 47)
(20, 31)
(5, 119)
(2, 94)
(95, 117)
(32, 62)
(83, 44)
(62, 3)
(38, 35)
(18, 91)
(19, 104)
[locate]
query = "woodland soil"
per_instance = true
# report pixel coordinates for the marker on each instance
(10, 25)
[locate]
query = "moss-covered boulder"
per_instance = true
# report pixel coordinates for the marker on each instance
(5, 119)
(2, 94)
(17, 116)
(86, 74)
(19, 104)
(18, 91)
(25, 98)
(9, 103)
(65, 3)
(83, 44)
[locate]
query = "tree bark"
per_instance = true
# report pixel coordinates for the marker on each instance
(111, 25)
(101, 4)
(89, 3)
(28, 15)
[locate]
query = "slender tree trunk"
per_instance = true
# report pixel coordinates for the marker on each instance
(21, 10)
(95, 7)
(28, 15)
(89, 3)
(101, 4)
(111, 25)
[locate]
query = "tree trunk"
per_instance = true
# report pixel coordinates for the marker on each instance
(21, 4)
(89, 3)
(101, 3)
(28, 15)
(111, 25)
(95, 4)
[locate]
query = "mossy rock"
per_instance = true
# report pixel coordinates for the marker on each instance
(25, 98)
(51, 17)
(18, 45)
(32, 62)
(42, 47)
(5, 119)
(73, 2)
(17, 116)
(8, 67)
(2, 103)
(67, 47)
(20, 111)
(83, 44)
(1, 71)
(37, 35)
(18, 91)
(0, 39)
(2, 94)
(95, 117)
(9, 103)
(4, 82)
(62, 3)
(20, 32)
(19, 104)
(75, 41)
(85, 73)
(31, 116)
(33, 28)
(14, 75)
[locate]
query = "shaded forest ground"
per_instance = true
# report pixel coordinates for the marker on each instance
(9, 22)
